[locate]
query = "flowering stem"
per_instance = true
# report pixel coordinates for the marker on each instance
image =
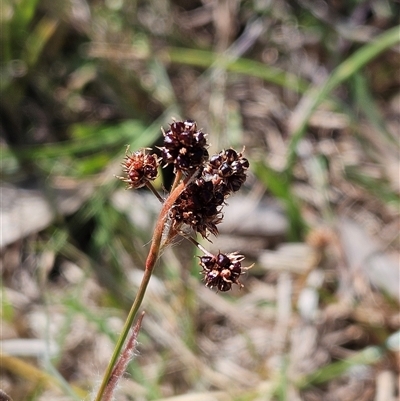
(123, 361)
(208, 184)
(198, 245)
(178, 177)
(150, 263)
(150, 186)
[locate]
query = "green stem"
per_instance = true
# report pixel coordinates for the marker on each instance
(121, 340)
(150, 263)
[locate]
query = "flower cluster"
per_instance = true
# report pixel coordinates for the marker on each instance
(184, 146)
(222, 271)
(198, 207)
(200, 204)
(197, 203)
(140, 168)
(227, 169)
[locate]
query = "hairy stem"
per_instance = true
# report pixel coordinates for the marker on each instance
(150, 263)
(123, 361)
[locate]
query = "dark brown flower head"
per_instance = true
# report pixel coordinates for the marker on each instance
(197, 197)
(222, 271)
(184, 146)
(140, 168)
(227, 170)
(198, 206)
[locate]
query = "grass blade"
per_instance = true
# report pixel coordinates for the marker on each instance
(206, 59)
(344, 71)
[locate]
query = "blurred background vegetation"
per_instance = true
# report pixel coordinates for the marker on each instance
(310, 88)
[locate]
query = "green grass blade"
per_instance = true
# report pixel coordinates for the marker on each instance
(343, 72)
(377, 188)
(367, 356)
(367, 105)
(36, 41)
(6, 45)
(86, 139)
(206, 59)
(23, 13)
(279, 185)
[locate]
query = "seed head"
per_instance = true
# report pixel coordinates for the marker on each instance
(222, 271)
(198, 206)
(140, 168)
(184, 146)
(198, 195)
(227, 170)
